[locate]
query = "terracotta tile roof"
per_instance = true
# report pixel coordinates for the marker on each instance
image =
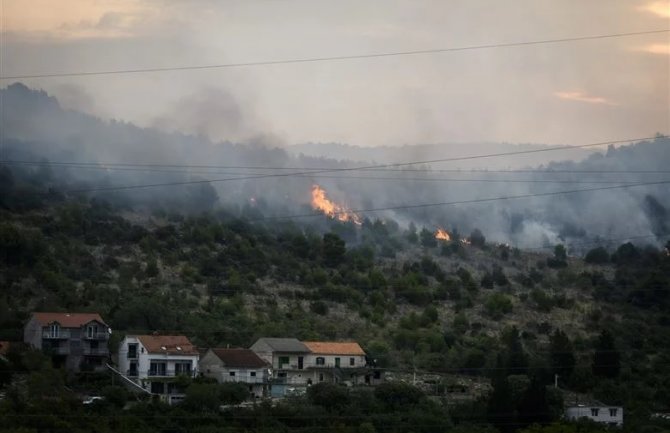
(170, 344)
(334, 348)
(67, 320)
(4, 347)
(240, 358)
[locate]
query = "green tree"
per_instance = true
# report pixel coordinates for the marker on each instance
(562, 354)
(334, 249)
(606, 359)
(597, 256)
(428, 238)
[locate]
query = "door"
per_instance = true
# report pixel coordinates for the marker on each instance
(337, 362)
(300, 362)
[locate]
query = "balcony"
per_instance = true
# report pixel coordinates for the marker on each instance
(171, 373)
(96, 336)
(61, 334)
(61, 350)
(101, 351)
(244, 379)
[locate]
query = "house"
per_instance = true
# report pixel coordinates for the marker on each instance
(75, 341)
(336, 362)
(287, 359)
(237, 365)
(155, 362)
(610, 415)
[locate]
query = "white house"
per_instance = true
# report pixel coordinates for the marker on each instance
(155, 361)
(330, 361)
(610, 415)
(237, 365)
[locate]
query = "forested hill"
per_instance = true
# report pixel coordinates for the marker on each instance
(467, 306)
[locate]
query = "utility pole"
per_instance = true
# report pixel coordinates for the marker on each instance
(555, 380)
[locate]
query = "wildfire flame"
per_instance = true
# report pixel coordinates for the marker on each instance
(333, 210)
(442, 234)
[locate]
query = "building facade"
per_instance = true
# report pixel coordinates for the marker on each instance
(237, 365)
(336, 362)
(610, 415)
(155, 362)
(74, 341)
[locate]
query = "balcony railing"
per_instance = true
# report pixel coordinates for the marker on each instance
(57, 335)
(101, 351)
(61, 350)
(245, 379)
(96, 336)
(171, 373)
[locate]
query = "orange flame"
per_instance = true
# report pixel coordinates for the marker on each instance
(442, 234)
(333, 210)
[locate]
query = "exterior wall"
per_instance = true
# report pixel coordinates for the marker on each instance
(32, 334)
(71, 348)
(345, 360)
(603, 414)
(143, 360)
(211, 365)
(263, 350)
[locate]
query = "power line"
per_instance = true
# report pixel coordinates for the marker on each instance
(472, 201)
(347, 177)
(348, 169)
(336, 58)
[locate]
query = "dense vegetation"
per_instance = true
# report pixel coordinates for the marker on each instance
(447, 310)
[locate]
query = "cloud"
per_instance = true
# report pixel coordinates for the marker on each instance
(583, 97)
(656, 48)
(660, 8)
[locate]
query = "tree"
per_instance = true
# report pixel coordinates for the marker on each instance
(477, 238)
(329, 395)
(607, 359)
(516, 361)
(534, 407)
(597, 256)
(398, 395)
(428, 238)
(334, 249)
(562, 354)
(500, 408)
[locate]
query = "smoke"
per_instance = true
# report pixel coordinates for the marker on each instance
(36, 127)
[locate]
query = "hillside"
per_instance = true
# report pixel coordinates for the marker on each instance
(415, 303)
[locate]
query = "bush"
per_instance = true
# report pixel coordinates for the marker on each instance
(497, 305)
(398, 395)
(597, 256)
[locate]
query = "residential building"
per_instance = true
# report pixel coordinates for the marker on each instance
(155, 362)
(336, 362)
(75, 341)
(610, 415)
(287, 359)
(237, 365)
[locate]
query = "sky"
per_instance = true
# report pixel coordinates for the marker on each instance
(569, 93)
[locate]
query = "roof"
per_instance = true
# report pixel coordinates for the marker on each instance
(285, 344)
(240, 358)
(67, 320)
(334, 348)
(168, 344)
(4, 347)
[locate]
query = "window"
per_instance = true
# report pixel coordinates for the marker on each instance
(232, 373)
(94, 345)
(54, 330)
(337, 362)
(377, 374)
(182, 368)
(352, 361)
(132, 351)
(320, 377)
(594, 411)
(613, 412)
(92, 331)
(252, 374)
(320, 360)
(157, 369)
(283, 360)
(157, 388)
